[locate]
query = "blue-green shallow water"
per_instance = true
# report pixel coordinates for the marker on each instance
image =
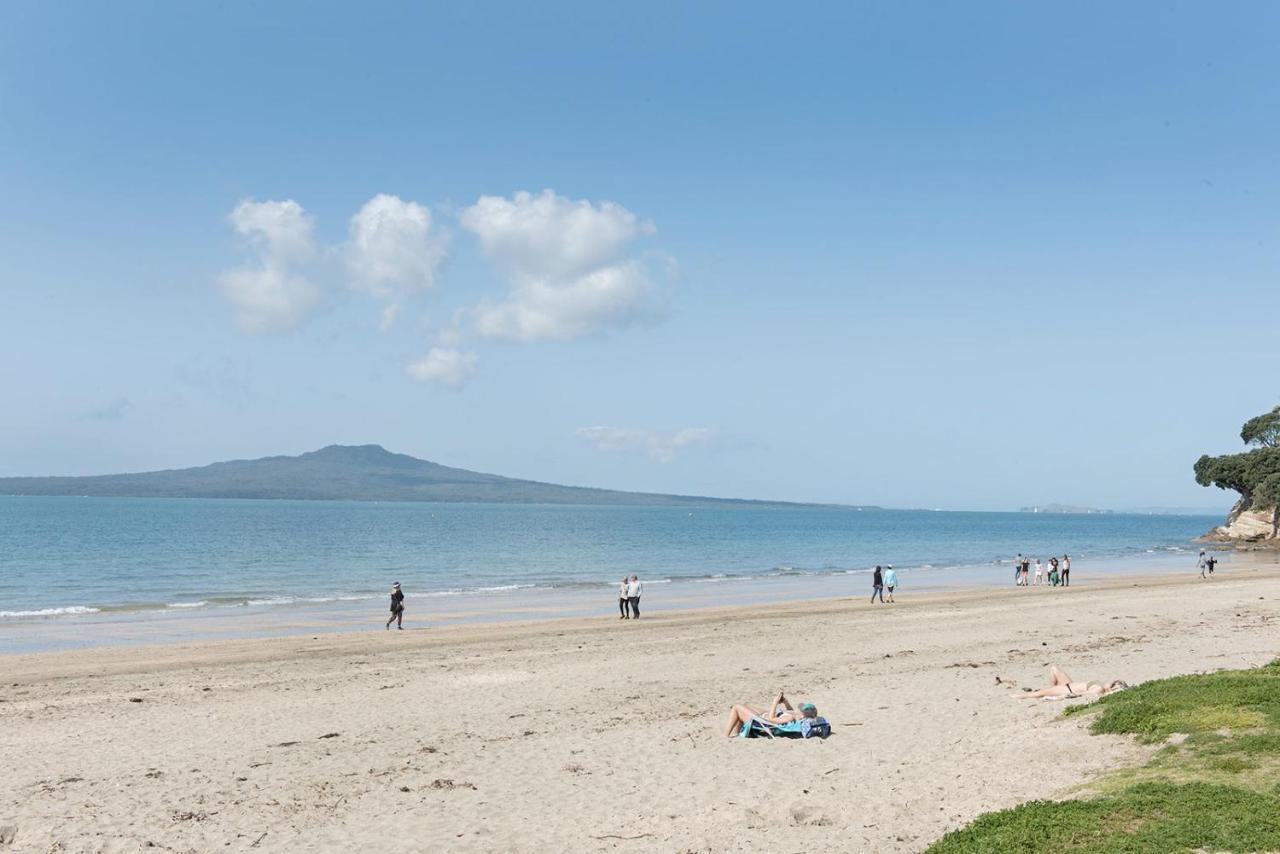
(64, 557)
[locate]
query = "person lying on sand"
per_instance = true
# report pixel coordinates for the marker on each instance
(780, 712)
(1061, 686)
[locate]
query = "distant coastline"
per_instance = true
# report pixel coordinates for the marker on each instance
(1132, 511)
(1061, 508)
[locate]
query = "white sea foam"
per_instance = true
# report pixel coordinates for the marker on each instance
(294, 600)
(49, 612)
(274, 600)
(199, 604)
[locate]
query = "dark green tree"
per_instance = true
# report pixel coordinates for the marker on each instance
(1254, 474)
(1264, 430)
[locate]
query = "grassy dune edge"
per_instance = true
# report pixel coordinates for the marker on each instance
(1214, 786)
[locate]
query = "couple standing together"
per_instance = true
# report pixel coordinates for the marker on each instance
(882, 580)
(629, 597)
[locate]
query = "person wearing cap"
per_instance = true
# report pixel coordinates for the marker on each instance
(397, 607)
(890, 581)
(780, 712)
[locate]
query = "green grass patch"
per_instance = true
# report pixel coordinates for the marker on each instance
(1155, 817)
(1200, 703)
(1219, 790)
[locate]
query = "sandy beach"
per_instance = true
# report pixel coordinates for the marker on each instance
(591, 734)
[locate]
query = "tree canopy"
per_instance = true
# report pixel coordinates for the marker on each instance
(1255, 474)
(1264, 430)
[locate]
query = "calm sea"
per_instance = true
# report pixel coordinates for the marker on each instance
(64, 557)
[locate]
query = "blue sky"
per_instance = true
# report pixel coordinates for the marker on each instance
(945, 255)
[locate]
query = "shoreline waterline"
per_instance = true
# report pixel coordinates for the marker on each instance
(337, 615)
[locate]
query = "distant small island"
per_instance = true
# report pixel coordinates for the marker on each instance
(1061, 508)
(347, 472)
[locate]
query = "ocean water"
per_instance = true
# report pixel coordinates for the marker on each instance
(63, 558)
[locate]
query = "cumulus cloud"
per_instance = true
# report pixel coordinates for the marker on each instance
(272, 292)
(394, 246)
(616, 296)
(550, 236)
(444, 366)
(393, 249)
(660, 446)
(568, 262)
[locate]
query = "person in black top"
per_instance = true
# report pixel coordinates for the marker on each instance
(877, 585)
(397, 607)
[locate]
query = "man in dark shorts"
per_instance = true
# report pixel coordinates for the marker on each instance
(397, 607)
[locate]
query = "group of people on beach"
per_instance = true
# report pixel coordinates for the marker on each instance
(629, 590)
(1054, 573)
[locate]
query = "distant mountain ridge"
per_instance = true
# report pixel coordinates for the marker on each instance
(341, 472)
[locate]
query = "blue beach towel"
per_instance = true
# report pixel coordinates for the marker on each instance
(803, 728)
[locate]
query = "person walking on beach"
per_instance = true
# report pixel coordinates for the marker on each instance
(397, 607)
(890, 581)
(1026, 571)
(1210, 564)
(1039, 571)
(1017, 568)
(1066, 571)
(623, 599)
(633, 596)
(1201, 563)
(877, 585)
(1053, 571)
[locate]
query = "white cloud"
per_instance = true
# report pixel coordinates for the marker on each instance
(270, 293)
(568, 263)
(616, 296)
(444, 366)
(280, 229)
(268, 298)
(393, 245)
(550, 236)
(658, 445)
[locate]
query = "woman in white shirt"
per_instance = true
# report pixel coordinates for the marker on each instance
(1039, 571)
(622, 598)
(633, 596)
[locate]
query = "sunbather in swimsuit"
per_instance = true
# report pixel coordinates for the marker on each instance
(780, 712)
(1061, 686)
